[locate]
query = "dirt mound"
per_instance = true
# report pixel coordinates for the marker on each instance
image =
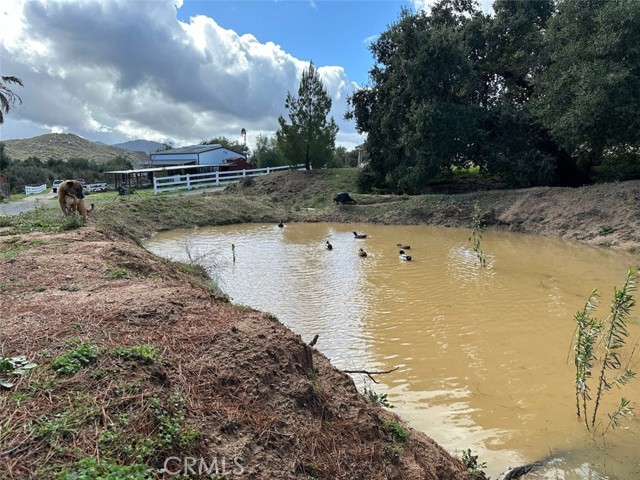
(288, 187)
(143, 366)
(603, 215)
(300, 190)
(606, 215)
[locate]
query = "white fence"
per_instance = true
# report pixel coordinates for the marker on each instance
(211, 179)
(29, 190)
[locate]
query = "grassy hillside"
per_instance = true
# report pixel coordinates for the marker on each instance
(66, 146)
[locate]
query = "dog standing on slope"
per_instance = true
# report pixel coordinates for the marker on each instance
(77, 205)
(71, 199)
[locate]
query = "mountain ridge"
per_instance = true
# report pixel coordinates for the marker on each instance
(65, 146)
(146, 146)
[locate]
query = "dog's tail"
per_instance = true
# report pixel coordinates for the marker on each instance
(90, 209)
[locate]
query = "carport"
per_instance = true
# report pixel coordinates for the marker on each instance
(126, 180)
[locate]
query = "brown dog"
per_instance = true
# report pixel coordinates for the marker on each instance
(71, 198)
(72, 188)
(75, 204)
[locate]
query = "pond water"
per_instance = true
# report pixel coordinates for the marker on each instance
(483, 354)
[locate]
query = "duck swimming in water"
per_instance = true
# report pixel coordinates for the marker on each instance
(404, 256)
(281, 225)
(359, 235)
(362, 253)
(328, 246)
(403, 247)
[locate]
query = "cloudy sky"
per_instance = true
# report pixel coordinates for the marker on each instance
(181, 71)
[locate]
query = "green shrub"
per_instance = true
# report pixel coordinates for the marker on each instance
(599, 349)
(170, 433)
(472, 465)
(398, 432)
(72, 361)
(140, 353)
(117, 274)
(376, 398)
(90, 468)
(617, 166)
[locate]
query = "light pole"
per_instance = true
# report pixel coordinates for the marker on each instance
(243, 132)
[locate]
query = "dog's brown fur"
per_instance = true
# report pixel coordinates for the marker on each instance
(75, 204)
(72, 188)
(71, 199)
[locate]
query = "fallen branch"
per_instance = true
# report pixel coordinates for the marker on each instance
(369, 374)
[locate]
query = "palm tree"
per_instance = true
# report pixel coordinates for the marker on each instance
(7, 97)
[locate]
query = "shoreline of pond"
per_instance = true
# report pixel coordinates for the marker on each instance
(602, 215)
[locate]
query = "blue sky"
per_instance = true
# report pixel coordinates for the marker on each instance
(181, 71)
(329, 32)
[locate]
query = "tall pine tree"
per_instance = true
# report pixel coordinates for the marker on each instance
(309, 138)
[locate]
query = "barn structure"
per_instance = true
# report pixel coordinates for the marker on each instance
(181, 161)
(214, 155)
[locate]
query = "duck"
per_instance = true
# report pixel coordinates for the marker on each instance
(281, 225)
(362, 253)
(404, 256)
(328, 246)
(403, 247)
(359, 235)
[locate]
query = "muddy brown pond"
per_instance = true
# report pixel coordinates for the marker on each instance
(483, 353)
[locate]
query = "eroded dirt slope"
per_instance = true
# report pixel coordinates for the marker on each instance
(170, 369)
(605, 215)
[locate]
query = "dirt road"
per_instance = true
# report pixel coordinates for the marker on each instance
(26, 204)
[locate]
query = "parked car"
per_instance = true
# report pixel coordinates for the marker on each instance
(95, 187)
(54, 185)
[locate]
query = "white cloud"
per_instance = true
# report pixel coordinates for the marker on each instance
(123, 69)
(418, 5)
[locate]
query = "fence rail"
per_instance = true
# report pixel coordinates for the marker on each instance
(29, 190)
(189, 181)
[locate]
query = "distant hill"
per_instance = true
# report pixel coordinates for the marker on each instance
(66, 146)
(145, 146)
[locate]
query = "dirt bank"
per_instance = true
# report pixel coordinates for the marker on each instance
(141, 363)
(606, 215)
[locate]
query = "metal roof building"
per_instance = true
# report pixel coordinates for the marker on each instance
(214, 154)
